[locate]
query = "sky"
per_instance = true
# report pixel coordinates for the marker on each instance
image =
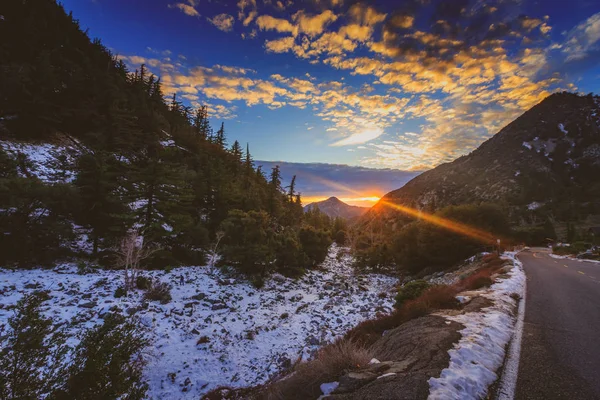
(404, 85)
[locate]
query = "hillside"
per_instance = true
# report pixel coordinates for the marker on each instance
(335, 208)
(545, 164)
(91, 150)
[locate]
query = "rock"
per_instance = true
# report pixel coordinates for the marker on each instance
(90, 304)
(131, 310)
(354, 380)
(199, 296)
(86, 296)
(296, 298)
(313, 341)
(339, 320)
(415, 351)
(216, 307)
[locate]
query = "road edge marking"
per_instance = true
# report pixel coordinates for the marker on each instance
(508, 382)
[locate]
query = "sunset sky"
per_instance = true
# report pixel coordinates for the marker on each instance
(381, 84)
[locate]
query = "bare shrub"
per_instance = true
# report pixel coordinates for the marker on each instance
(159, 291)
(330, 363)
(130, 255)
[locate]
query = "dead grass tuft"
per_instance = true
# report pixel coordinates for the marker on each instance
(330, 363)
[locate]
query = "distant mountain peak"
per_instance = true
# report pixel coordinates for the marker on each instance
(334, 207)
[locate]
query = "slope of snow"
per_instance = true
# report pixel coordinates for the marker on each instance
(249, 334)
(40, 156)
(479, 354)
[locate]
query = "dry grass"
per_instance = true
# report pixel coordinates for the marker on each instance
(330, 363)
(479, 279)
(433, 298)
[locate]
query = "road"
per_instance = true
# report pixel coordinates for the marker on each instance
(560, 349)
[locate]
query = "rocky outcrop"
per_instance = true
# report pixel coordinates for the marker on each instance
(412, 353)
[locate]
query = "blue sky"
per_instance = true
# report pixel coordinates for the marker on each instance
(383, 84)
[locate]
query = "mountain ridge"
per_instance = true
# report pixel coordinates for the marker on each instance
(334, 208)
(544, 163)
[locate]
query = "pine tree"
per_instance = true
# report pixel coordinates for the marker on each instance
(201, 124)
(249, 163)
(292, 189)
(236, 150)
(220, 139)
(102, 210)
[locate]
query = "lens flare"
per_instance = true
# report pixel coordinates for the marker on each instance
(454, 226)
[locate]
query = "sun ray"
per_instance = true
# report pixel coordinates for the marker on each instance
(454, 226)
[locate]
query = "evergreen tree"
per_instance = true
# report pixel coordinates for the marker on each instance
(102, 210)
(201, 124)
(32, 355)
(236, 150)
(220, 139)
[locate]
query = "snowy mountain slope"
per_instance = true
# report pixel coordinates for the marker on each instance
(334, 207)
(247, 334)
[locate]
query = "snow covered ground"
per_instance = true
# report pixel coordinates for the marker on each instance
(476, 358)
(249, 334)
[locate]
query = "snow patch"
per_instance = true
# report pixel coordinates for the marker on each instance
(327, 388)
(250, 334)
(533, 206)
(562, 129)
(480, 353)
(527, 145)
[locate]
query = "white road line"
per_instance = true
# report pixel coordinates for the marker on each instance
(508, 383)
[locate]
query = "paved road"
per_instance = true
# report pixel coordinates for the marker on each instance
(560, 350)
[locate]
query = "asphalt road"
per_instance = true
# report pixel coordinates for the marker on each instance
(560, 349)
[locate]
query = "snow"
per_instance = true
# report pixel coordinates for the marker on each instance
(533, 206)
(527, 145)
(250, 338)
(479, 354)
(517, 173)
(329, 387)
(562, 129)
(40, 156)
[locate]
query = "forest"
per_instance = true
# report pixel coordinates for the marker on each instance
(131, 160)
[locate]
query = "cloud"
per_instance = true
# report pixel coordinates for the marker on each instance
(313, 25)
(223, 22)
(361, 137)
(366, 15)
(267, 23)
(280, 45)
(583, 39)
(457, 71)
(187, 8)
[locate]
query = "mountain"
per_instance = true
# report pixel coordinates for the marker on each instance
(334, 207)
(544, 164)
